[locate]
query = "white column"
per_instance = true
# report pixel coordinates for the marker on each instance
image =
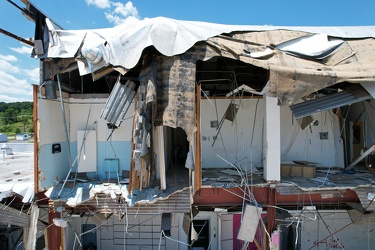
(271, 149)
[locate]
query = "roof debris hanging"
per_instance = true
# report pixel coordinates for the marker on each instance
(301, 60)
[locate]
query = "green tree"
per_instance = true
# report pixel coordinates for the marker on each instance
(6, 128)
(9, 116)
(31, 129)
(24, 118)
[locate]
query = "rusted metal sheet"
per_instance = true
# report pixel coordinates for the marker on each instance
(234, 196)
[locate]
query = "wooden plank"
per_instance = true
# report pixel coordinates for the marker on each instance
(147, 180)
(36, 137)
(141, 175)
(361, 157)
(133, 174)
(161, 157)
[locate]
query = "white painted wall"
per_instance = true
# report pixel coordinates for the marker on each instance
(51, 128)
(84, 112)
(81, 114)
(52, 168)
(235, 141)
(239, 143)
(298, 144)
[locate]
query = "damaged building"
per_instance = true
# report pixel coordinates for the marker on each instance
(190, 135)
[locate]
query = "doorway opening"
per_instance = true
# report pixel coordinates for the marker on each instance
(177, 145)
(202, 228)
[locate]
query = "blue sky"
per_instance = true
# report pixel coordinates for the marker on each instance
(18, 71)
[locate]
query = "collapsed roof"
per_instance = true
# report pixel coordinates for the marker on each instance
(300, 60)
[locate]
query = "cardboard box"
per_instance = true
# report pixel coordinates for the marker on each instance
(306, 171)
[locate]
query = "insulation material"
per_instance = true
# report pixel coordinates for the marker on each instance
(141, 135)
(171, 81)
(249, 223)
(293, 77)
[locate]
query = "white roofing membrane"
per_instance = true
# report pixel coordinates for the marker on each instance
(123, 45)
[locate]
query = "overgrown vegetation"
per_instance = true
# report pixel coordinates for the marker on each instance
(16, 117)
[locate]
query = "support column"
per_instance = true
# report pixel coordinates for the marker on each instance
(53, 232)
(271, 148)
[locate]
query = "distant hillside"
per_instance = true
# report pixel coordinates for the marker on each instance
(16, 105)
(16, 117)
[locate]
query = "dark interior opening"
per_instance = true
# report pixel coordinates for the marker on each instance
(177, 174)
(219, 76)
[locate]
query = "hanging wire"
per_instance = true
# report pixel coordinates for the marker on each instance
(347, 225)
(329, 230)
(335, 151)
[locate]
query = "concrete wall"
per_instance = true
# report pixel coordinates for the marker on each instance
(241, 141)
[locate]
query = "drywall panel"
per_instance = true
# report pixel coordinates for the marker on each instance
(51, 123)
(86, 151)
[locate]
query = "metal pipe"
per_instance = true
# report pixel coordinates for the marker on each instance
(66, 133)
